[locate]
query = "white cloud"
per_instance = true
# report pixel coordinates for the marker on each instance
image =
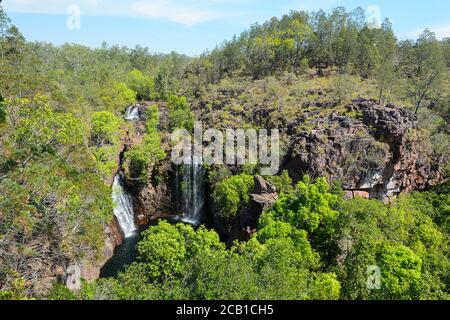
(187, 12)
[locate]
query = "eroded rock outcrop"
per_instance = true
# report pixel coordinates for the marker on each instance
(89, 268)
(375, 153)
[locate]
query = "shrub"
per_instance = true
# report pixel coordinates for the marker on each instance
(105, 128)
(232, 194)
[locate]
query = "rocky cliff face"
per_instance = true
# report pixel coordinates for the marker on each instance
(372, 150)
(89, 268)
(153, 200)
(375, 153)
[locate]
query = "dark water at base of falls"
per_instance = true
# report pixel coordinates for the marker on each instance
(124, 255)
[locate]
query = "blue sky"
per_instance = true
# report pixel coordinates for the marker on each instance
(191, 26)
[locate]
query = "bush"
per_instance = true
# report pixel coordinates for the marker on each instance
(141, 84)
(180, 113)
(308, 207)
(61, 292)
(283, 182)
(117, 96)
(232, 194)
(165, 248)
(105, 128)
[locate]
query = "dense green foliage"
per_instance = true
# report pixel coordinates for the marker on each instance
(177, 262)
(311, 245)
(231, 194)
(80, 79)
(411, 250)
(119, 96)
(105, 126)
(48, 186)
(141, 84)
(307, 208)
(180, 113)
(105, 137)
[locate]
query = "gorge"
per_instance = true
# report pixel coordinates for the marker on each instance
(378, 171)
(189, 195)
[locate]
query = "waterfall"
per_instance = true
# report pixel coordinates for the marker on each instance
(132, 113)
(193, 193)
(123, 207)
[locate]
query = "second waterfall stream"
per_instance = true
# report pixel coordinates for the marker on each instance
(123, 207)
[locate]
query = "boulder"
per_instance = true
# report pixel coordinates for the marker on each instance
(263, 196)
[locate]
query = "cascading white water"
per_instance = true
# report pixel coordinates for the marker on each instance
(132, 113)
(193, 192)
(123, 208)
